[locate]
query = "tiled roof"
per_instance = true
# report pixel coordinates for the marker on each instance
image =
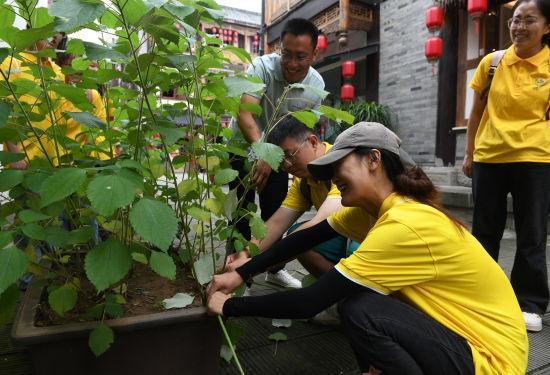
(241, 16)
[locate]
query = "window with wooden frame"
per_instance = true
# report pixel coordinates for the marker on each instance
(475, 41)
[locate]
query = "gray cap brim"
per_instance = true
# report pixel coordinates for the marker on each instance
(322, 169)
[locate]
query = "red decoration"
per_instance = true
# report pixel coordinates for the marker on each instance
(434, 18)
(347, 92)
(348, 69)
(235, 34)
(256, 37)
(214, 30)
(476, 8)
(433, 48)
(322, 42)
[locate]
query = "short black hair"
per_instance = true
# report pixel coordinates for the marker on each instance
(301, 26)
(289, 127)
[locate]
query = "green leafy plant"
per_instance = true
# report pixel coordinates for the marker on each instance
(99, 197)
(361, 111)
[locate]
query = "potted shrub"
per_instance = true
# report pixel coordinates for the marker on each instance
(111, 235)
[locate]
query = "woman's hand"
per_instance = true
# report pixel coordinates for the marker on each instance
(467, 164)
(229, 267)
(243, 254)
(215, 303)
(225, 283)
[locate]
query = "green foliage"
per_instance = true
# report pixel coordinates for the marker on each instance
(101, 339)
(61, 184)
(107, 263)
(13, 264)
(71, 14)
(369, 112)
(270, 153)
(163, 264)
(155, 222)
(107, 192)
(62, 299)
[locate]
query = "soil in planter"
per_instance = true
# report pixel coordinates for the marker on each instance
(145, 292)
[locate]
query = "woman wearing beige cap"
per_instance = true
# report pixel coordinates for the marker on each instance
(418, 296)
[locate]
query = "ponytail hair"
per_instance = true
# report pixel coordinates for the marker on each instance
(411, 182)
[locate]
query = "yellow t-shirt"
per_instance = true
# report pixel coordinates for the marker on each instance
(296, 201)
(352, 222)
(513, 127)
(19, 72)
(418, 255)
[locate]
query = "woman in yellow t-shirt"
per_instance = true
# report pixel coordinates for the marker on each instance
(508, 151)
(418, 295)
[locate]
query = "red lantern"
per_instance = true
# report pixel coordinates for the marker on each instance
(476, 8)
(235, 34)
(348, 69)
(434, 18)
(321, 42)
(256, 37)
(214, 30)
(433, 48)
(347, 92)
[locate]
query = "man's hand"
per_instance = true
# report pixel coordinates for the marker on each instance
(215, 303)
(21, 164)
(243, 254)
(261, 174)
(467, 165)
(225, 283)
(230, 267)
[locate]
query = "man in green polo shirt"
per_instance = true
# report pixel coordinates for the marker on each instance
(293, 65)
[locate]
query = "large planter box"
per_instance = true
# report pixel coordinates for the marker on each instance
(185, 341)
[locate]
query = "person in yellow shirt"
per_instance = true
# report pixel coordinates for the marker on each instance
(301, 146)
(418, 296)
(508, 151)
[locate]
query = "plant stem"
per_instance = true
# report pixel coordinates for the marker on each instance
(231, 347)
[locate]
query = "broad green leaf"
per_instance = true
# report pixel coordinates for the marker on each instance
(112, 191)
(198, 213)
(215, 206)
(163, 264)
(170, 134)
(7, 16)
(13, 264)
(41, 18)
(306, 117)
(178, 10)
(258, 228)
(208, 163)
(33, 181)
(107, 263)
(10, 178)
(225, 353)
(34, 231)
(134, 10)
(6, 237)
(74, 94)
(7, 157)
(24, 38)
(178, 301)
(270, 153)
(308, 88)
(87, 119)
(62, 299)
(336, 114)
(155, 222)
(5, 110)
(71, 14)
(255, 109)
(139, 257)
(204, 269)
(236, 86)
(57, 236)
(81, 235)
(225, 176)
(30, 216)
(101, 339)
(99, 52)
(8, 303)
(76, 47)
(239, 52)
(278, 336)
(308, 280)
(230, 204)
(61, 184)
(185, 187)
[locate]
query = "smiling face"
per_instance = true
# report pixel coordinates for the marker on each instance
(298, 153)
(355, 177)
(528, 26)
(297, 55)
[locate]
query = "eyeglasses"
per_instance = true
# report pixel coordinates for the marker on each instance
(289, 159)
(289, 56)
(515, 22)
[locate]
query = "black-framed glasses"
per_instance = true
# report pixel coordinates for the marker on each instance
(289, 159)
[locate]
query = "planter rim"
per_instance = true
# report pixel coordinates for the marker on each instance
(24, 331)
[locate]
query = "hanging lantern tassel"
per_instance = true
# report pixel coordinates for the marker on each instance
(476, 9)
(433, 49)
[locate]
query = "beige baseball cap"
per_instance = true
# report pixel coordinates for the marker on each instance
(362, 134)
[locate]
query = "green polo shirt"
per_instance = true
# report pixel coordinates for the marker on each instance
(268, 69)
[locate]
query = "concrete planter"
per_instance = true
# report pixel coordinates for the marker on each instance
(185, 341)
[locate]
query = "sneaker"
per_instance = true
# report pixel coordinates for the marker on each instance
(328, 317)
(533, 322)
(283, 278)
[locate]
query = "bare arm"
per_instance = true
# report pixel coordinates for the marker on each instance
(247, 123)
(473, 123)
(278, 224)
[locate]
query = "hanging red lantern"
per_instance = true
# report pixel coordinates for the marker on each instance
(348, 69)
(235, 34)
(476, 9)
(434, 18)
(256, 37)
(322, 42)
(347, 92)
(433, 48)
(214, 30)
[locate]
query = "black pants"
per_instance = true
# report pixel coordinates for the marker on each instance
(529, 184)
(271, 197)
(396, 338)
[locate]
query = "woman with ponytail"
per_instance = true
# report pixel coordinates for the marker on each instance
(418, 295)
(508, 151)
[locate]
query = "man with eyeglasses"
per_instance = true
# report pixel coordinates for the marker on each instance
(277, 72)
(301, 146)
